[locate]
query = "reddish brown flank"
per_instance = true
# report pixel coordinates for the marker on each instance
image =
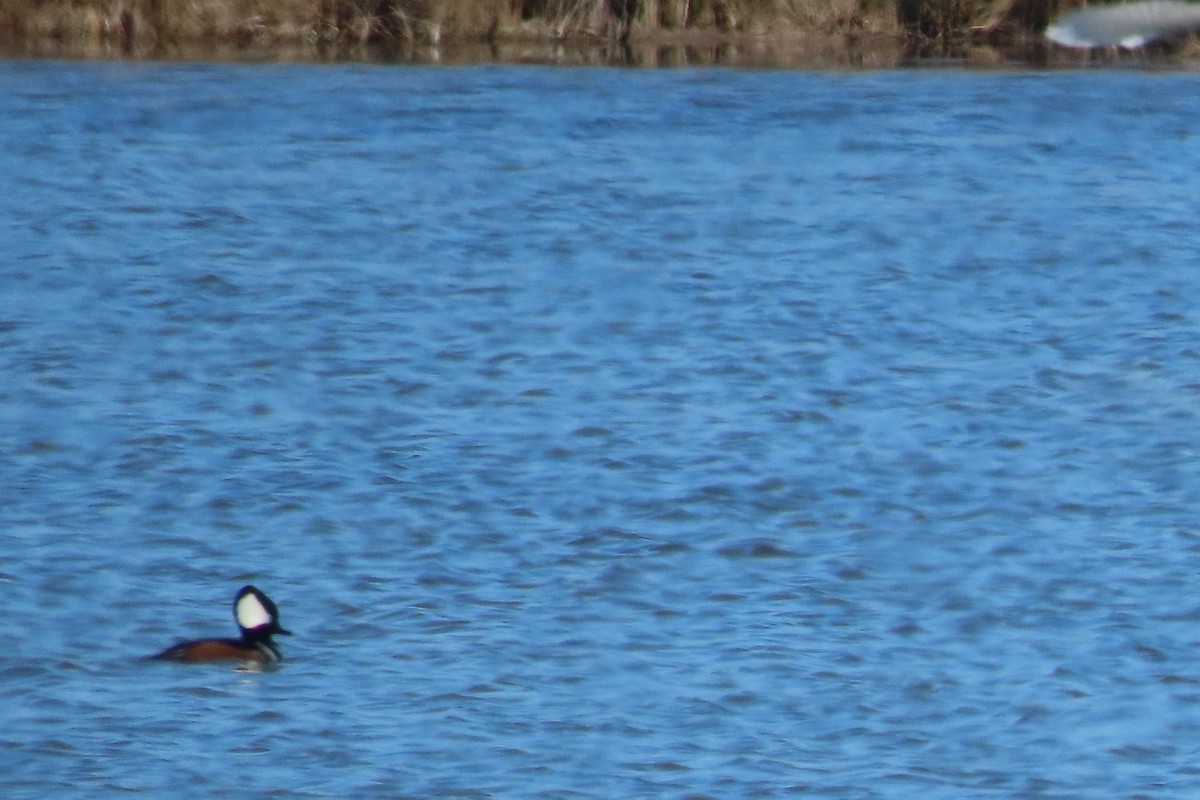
(212, 650)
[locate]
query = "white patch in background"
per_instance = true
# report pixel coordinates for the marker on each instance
(1128, 25)
(250, 612)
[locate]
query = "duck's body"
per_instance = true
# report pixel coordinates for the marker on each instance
(202, 650)
(257, 618)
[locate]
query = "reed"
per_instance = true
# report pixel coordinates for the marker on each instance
(156, 24)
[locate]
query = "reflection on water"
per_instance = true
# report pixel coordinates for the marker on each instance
(801, 51)
(599, 433)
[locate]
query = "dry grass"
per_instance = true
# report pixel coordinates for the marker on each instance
(146, 25)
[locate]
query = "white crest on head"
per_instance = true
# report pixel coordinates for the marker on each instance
(250, 612)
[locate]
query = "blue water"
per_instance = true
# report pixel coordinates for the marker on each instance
(600, 433)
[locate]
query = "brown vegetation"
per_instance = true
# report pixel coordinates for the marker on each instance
(149, 26)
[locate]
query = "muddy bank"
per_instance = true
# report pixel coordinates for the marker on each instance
(637, 32)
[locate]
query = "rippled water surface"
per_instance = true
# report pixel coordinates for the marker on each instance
(600, 433)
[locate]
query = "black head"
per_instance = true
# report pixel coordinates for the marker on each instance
(256, 615)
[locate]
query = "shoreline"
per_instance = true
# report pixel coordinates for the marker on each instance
(767, 33)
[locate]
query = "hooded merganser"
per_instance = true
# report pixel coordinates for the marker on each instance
(257, 618)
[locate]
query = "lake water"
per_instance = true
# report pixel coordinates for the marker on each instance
(601, 433)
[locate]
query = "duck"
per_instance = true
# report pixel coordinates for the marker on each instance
(257, 618)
